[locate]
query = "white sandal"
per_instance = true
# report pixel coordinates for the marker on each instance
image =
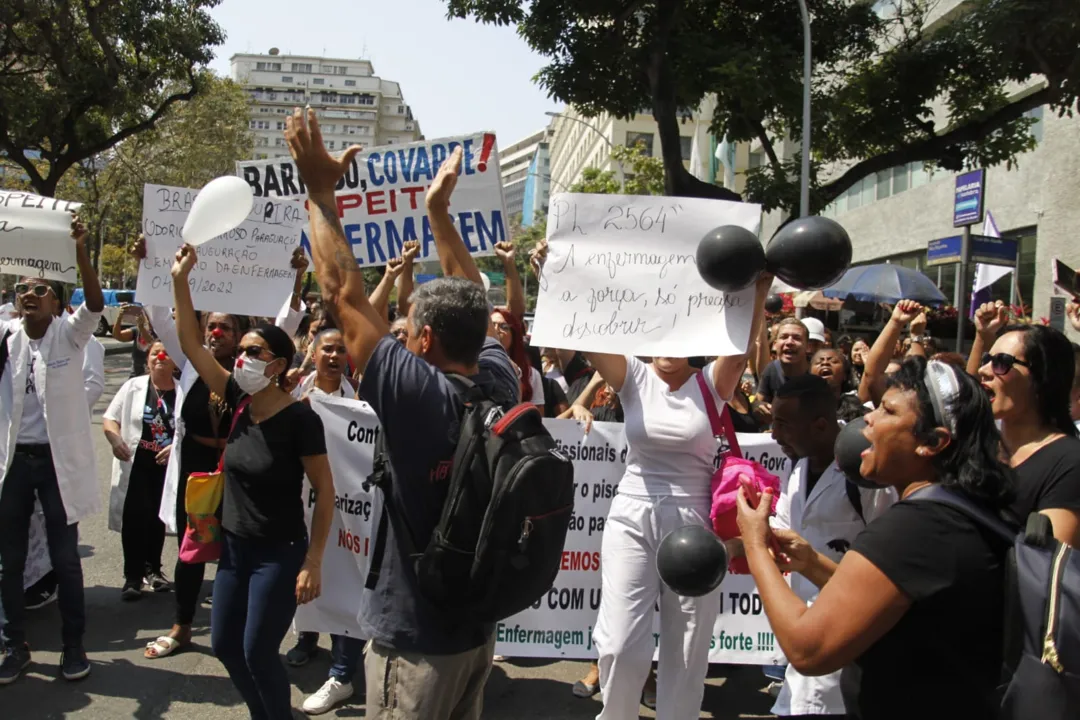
(162, 647)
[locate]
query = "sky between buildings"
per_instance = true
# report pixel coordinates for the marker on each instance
(458, 76)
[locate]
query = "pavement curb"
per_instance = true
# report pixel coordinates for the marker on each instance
(117, 349)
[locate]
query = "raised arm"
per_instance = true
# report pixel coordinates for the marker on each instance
(187, 325)
(92, 295)
(118, 331)
(872, 385)
(990, 318)
(728, 370)
(380, 298)
(454, 257)
(409, 251)
(515, 290)
(339, 275)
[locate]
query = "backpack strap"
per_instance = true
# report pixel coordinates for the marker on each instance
(720, 421)
(937, 493)
(4, 352)
(855, 498)
(381, 477)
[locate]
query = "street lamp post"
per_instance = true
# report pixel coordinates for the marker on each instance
(804, 183)
(595, 130)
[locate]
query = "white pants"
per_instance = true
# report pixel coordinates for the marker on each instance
(624, 630)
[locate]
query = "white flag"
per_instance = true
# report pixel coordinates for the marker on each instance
(987, 275)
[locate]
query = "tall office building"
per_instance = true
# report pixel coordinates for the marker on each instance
(516, 169)
(354, 106)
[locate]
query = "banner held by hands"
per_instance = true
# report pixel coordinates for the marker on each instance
(381, 196)
(35, 236)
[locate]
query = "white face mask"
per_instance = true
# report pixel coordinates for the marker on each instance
(250, 374)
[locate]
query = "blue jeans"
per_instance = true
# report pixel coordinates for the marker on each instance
(254, 604)
(345, 654)
(33, 476)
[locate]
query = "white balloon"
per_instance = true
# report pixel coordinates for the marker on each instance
(221, 206)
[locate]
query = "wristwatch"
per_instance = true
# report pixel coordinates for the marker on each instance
(921, 339)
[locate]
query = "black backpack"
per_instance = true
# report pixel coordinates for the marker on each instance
(1041, 676)
(498, 544)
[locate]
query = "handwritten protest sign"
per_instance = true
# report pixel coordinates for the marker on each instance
(246, 271)
(621, 277)
(560, 623)
(381, 197)
(35, 236)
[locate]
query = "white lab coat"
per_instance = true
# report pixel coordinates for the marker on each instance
(61, 390)
(126, 408)
(829, 522)
(94, 372)
(161, 318)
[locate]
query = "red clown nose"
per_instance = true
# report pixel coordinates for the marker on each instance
(217, 332)
(162, 357)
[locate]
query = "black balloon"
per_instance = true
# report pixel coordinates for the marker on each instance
(692, 560)
(729, 258)
(774, 304)
(809, 253)
(848, 449)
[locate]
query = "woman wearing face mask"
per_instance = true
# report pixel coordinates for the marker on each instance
(922, 580)
(1028, 374)
(671, 457)
(266, 566)
(202, 423)
(139, 426)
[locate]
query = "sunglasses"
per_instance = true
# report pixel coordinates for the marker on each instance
(39, 290)
(254, 351)
(1002, 363)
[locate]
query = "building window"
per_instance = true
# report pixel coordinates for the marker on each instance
(633, 138)
(280, 124)
(318, 81)
(854, 195)
(329, 128)
(340, 70)
(328, 97)
(919, 174)
(286, 78)
(899, 179)
(260, 66)
(328, 69)
(348, 99)
(366, 99)
(1036, 129)
(400, 109)
(868, 189)
(757, 159)
(884, 184)
(686, 147)
(350, 83)
(330, 144)
(252, 124)
(301, 67)
(279, 142)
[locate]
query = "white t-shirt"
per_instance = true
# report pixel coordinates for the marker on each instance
(32, 429)
(537, 382)
(671, 447)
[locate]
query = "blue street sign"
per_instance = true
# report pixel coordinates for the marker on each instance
(993, 251)
(944, 251)
(968, 201)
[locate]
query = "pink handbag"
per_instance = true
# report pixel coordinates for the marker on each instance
(726, 479)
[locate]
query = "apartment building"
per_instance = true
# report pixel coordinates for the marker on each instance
(354, 106)
(515, 166)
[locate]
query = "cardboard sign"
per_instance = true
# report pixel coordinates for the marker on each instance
(381, 197)
(621, 277)
(35, 236)
(246, 271)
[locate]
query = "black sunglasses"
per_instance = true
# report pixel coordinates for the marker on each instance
(254, 351)
(39, 290)
(1002, 363)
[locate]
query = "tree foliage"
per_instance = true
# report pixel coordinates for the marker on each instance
(192, 144)
(903, 86)
(78, 77)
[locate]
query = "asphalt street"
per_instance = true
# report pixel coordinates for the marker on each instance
(192, 685)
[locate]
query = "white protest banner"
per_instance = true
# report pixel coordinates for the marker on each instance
(621, 277)
(560, 625)
(35, 236)
(380, 199)
(246, 271)
(351, 430)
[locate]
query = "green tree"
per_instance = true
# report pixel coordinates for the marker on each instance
(596, 181)
(642, 174)
(116, 265)
(877, 78)
(191, 145)
(78, 78)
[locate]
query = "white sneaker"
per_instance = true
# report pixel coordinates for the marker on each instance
(325, 698)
